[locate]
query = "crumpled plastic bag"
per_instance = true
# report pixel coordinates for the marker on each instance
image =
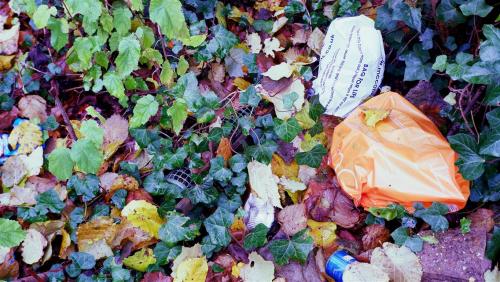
(402, 158)
(351, 65)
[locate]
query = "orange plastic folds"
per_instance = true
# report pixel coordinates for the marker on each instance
(402, 159)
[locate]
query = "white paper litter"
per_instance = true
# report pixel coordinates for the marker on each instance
(351, 65)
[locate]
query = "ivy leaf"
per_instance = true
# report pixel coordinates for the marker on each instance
(87, 156)
(433, 215)
(416, 68)
(476, 8)
(217, 225)
(173, 231)
(411, 16)
(178, 112)
(144, 109)
(311, 158)
(298, 248)
(218, 171)
(11, 233)
(490, 143)
(389, 213)
(168, 15)
(492, 247)
(165, 253)
(237, 163)
(448, 13)
(470, 164)
(250, 97)
(50, 201)
(42, 15)
(128, 57)
(86, 186)
(402, 238)
(60, 163)
(288, 129)
(256, 238)
(115, 87)
(440, 63)
(81, 261)
(262, 152)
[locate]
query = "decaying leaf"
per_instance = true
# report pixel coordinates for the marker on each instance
(291, 185)
(283, 112)
(13, 171)
(143, 215)
(191, 270)
(140, 260)
(115, 133)
(280, 71)
(27, 136)
(187, 253)
(33, 162)
(224, 149)
(323, 233)
(263, 182)
(492, 275)
(400, 263)
(271, 45)
(257, 270)
(96, 236)
(374, 236)
(293, 219)
(254, 42)
(8, 40)
(281, 169)
(33, 246)
(315, 41)
(364, 272)
(33, 106)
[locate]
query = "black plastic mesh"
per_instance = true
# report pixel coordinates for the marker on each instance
(180, 177)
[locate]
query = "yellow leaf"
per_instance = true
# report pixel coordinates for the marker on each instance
(311, 141)
(95, 237)
(140, 260)
(278, 72)
(241, 83)
(236, 269)
(192, 270)
(373, 116)
(33, 246)
(27, 135)
(65, 243)
(238, 225)
(305, 121)
(323, 233)
(143, 215)
(282, 169)
(6, 62)
(186, 253)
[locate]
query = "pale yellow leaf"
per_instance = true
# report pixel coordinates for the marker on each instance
(277, 25)
(186, 253)
(263, 182)
(323, 233)
(277, 100)
(27, 135)
(257, 269)
(374, 116)
(95, 237)
(33, 106)
(278, 72)
(191, 270)
(271, 45)
(33, 162)
(399, 262)
(254, 42)
(33, 246)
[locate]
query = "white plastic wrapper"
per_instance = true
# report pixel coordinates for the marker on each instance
(351, 65)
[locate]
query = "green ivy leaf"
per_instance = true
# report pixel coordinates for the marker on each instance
(448, 13)
(288, 129)
(298, 248)
(128, 57)
(416, 68)
(440, 63)
(250, 97)
(173, 231)
(87, 156)
(217, 225)
(237, 163)
(493, 245)
(11, 233)
(60, 163)
(178, 112)
(49, 201)
(465, 225)
(86, 186)
(256, 238)
(411, 16)
(218, 171)
(59, 30)
(389, 213)
(476, 8)
(144, 109)
(313, 157)
(262, 152)
(115, 87)
(470, 164)
(42, 15)
(433, 215)
(168, 15)
(165, 252)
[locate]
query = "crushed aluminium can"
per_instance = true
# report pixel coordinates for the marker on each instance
(337, 263)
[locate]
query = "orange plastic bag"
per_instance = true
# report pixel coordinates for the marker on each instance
(403, 159)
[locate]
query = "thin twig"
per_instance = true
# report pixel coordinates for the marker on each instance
(55, 93)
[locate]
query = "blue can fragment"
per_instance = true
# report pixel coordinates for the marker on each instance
(337, 263)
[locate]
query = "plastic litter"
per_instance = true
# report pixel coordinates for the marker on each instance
(351, 65)
(402, 159)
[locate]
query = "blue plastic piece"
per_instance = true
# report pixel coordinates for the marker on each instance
(337, 263)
